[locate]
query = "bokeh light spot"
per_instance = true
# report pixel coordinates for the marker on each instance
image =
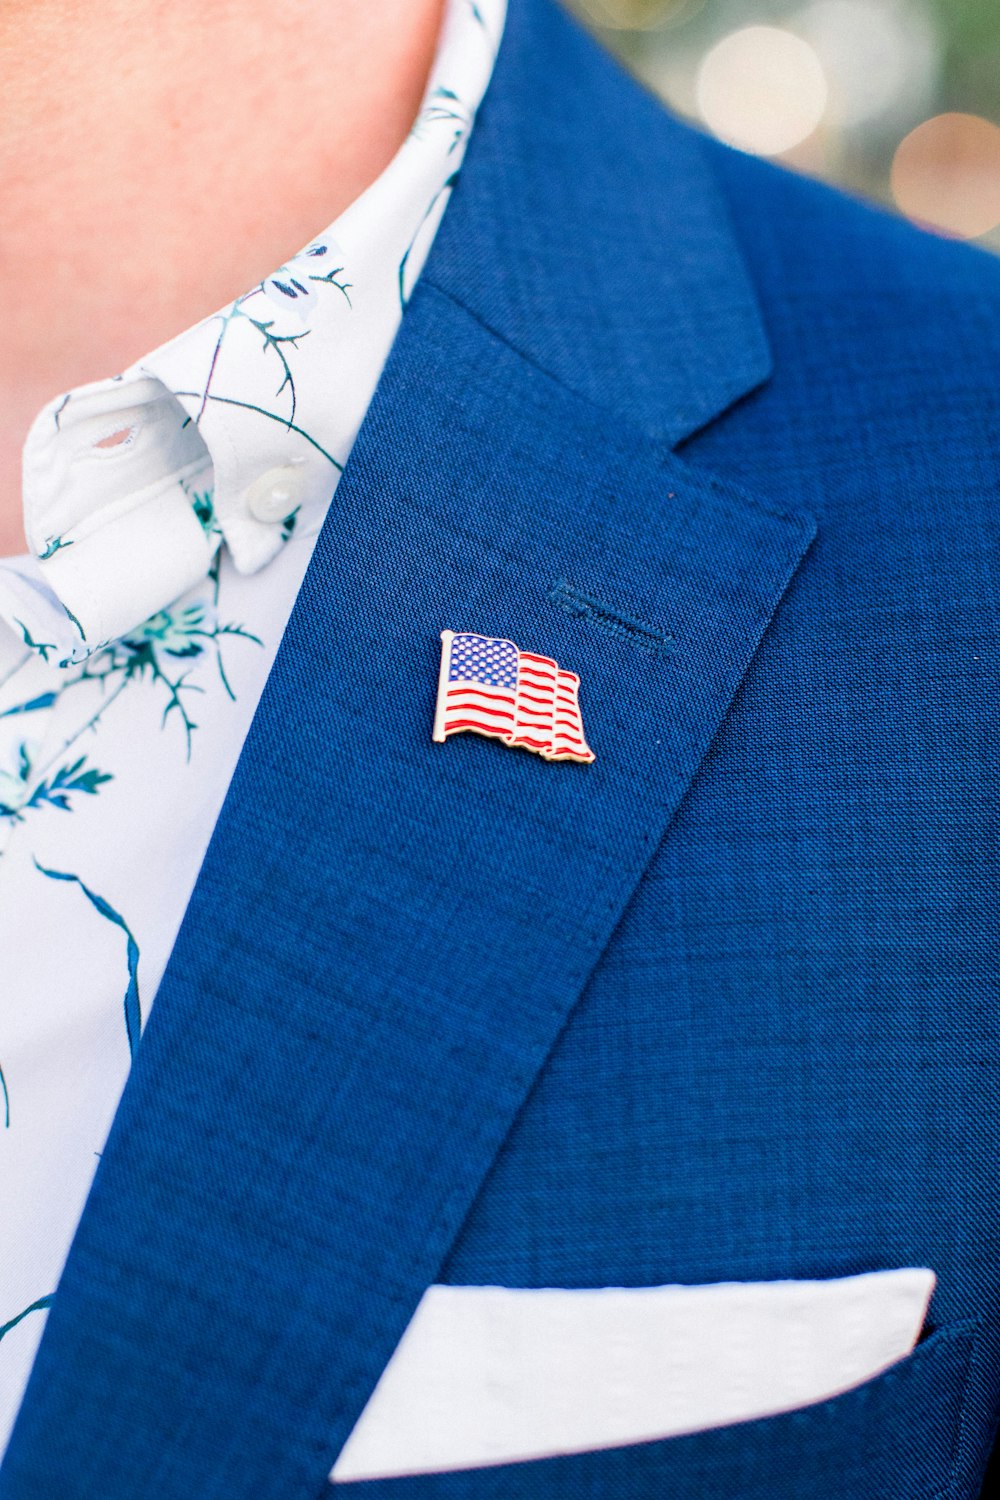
(877, 55)
(762, 88)
(946, 175)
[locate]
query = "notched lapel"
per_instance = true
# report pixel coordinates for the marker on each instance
(388, 934)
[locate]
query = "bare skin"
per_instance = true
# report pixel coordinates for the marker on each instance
(158, 157)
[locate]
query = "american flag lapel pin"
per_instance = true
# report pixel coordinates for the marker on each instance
(488, 686)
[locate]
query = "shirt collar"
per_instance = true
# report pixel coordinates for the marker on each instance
(236, 431)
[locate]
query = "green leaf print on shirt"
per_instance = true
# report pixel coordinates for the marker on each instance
(6, 1101)
(444, 105)
(152, 652)
(42, 647)
(203, 505)
(52, 545)
(133, 1015)
(402, 283)
(73, 778)
(170, 636)
(292, 289)
(33, 705)
(23, 787)
(39, 1306)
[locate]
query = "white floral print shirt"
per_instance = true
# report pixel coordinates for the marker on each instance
(171, 513)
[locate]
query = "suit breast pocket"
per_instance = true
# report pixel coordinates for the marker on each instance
(896, 1437)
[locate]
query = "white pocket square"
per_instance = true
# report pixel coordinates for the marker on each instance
(487, 1375)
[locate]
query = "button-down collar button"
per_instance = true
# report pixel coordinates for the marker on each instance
(275, 495)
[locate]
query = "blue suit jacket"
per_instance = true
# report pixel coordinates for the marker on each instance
(722, 1005)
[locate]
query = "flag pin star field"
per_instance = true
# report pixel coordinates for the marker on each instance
(489, 686)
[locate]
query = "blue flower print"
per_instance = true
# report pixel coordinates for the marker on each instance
(294, 286)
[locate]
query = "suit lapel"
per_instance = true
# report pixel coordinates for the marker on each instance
(589, 233)
(388, 934)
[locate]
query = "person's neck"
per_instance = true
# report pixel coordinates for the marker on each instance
(159, 157)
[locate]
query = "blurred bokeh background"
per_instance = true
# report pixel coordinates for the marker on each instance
(896, 99)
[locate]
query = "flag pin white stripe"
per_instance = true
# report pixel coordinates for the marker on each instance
(488, 686)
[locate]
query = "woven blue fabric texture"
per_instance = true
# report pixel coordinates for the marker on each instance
(721, 1005)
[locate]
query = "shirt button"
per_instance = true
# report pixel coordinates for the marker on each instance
(275, 495)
